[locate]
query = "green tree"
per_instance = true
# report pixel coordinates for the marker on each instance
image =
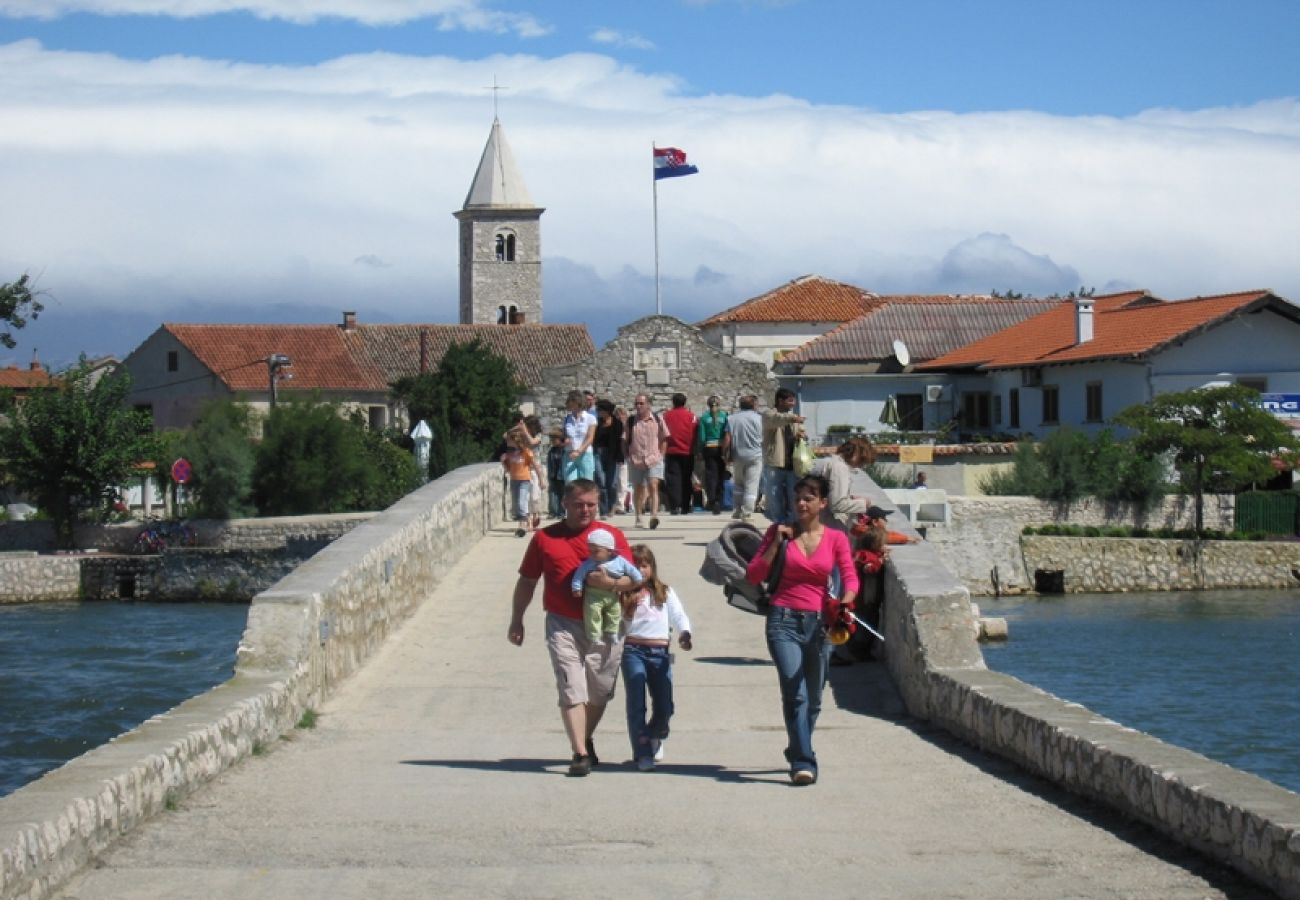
(1218, 437)
(220, 448)
(18, 302)
(313, 460)
(469, 402)
(1063, 458)
(70, 447)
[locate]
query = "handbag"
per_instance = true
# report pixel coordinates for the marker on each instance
(758, 600)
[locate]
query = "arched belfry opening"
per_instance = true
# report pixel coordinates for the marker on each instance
(500, 242)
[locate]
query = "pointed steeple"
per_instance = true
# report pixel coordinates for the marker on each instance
(497, 183)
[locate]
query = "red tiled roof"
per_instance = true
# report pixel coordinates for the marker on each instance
(1125, 326)
(237, 355)
(810, 298)
(929, 326)
(395, 349)
(14, 378)
(369, 357)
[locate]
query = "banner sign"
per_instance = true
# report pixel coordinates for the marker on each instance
(1284, 406)
(916, 453)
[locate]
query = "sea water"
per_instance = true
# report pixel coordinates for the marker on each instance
(75, 675)
(1213, 671)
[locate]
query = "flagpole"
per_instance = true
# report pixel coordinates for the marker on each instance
(654, 182)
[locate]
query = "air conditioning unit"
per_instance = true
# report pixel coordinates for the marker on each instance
(1031, 377)
(933, 393)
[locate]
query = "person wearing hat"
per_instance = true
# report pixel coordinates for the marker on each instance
(875, 518)
(601, 610)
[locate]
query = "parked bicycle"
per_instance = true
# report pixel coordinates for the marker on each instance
(157, 536)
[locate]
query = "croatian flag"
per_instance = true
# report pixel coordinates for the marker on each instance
(671, 162)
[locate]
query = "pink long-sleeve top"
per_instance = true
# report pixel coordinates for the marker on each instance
(804, 579)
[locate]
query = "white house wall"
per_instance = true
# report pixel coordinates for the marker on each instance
(1260, 345)
(859, 400)
(174, 398)
(761, 341)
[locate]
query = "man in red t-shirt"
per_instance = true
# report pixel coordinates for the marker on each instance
(679, 460)
(585, 671)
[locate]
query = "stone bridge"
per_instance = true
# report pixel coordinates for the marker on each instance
(437, 763)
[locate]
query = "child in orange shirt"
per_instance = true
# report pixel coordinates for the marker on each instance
(518, 460)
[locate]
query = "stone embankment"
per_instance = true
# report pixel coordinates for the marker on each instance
(1119, 565)
(306, 633)
(234, 559)
(981, 544)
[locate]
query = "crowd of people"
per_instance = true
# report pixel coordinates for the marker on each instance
(607, 607)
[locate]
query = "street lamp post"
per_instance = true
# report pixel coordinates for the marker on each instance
(274, 363)
(422, 435)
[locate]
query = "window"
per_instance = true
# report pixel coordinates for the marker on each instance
(1051, 404)
(378, 416)
(1258, 384)
(997, 410)
(976, 409)
(1092, 401)
(911, 412)
(173, 360)
(505, 248)
(501, 316)
(1013, 408)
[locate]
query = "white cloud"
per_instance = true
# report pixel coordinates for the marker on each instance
(615, 38)
(167, 184)
(470, 15)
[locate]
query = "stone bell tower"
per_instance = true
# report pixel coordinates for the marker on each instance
(500, 242)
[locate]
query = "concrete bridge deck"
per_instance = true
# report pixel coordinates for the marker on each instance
(438, 770)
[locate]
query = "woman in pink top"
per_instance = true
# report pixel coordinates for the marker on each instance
(796, 636)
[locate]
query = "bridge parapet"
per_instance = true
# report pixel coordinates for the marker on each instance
(1237, 818)
(304, 634)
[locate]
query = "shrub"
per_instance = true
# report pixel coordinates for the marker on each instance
(1091, 531)
(219, 445)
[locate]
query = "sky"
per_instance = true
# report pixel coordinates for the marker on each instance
(285, 160)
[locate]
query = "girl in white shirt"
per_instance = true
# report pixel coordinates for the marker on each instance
(650, 613)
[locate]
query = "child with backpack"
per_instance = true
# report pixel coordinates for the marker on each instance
(650, 614)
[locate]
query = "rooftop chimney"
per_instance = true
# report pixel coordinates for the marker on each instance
(349, 320)
(1082, 319)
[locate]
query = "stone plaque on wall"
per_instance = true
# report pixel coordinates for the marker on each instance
(650, 355)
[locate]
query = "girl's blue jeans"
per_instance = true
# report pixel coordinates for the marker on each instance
(798, 646)
(647, 669)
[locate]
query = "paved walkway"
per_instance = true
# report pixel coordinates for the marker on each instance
(438, 771)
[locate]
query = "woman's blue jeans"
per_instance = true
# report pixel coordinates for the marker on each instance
(607, 480)
(798, 646)
(647, 668)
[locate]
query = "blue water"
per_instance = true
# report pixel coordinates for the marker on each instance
(1216, 671)
(74, 675)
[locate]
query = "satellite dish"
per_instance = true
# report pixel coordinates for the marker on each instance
(900, 352)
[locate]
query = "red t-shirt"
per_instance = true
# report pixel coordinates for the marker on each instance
(681, 424)
(554, 554)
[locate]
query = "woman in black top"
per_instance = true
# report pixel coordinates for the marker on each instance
(608, 447)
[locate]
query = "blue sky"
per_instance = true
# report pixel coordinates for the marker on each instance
(281, 160)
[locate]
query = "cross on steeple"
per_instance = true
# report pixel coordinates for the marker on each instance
(495, 89)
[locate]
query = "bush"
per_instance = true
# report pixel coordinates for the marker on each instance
(881, 476)
(220, 447)
(311, 460)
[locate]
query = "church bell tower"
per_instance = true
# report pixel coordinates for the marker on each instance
(500, 242)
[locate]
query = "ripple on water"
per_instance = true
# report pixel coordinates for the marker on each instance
(1211, 671)
(73, 675)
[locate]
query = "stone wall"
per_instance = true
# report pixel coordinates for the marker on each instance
(984, 532)
(230, 534)
(304, 634)
(1236, 818)
(26, 577)
(1116, 565)
(660, 356)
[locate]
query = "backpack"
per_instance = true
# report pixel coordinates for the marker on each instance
(725, 561)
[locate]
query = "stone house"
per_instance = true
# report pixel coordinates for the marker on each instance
(658, 355)
(180, 367)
